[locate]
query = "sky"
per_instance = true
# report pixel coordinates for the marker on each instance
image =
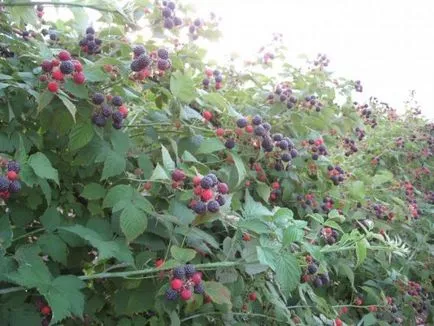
(386, 44)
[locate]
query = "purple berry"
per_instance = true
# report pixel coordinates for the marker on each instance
(14, 186)
(257, 120)
(242, 123)
(286, 157)
(117, 101)
(317, 282)
(163, 64)
(312, 268)
(135, 66)
(189, 270)
(177, 21)
(99, 120)
(98, 98)
(167, 12)
(221, 200)
(192, 29)
(90, 37)
(168, 23)
(214, 179)
(47, 66)
(106, 110)
(171, 294)
(259, 131)
(283, 144)
(222, 188)
(230, 143)
(138, 50)
(4, 184)
(14, 166)
(266, 126)
(205, 82)
(67, 67)
(206, 182)
(171, 5)
(200, 208)
(315, 157)
(197, 22)
(218, 79)
(163, 54)
(199, 288)
(213, 206)
(179, 272)
(117, 117)
(294, 153)
(90, 30)
(144, 61)
(277, 137)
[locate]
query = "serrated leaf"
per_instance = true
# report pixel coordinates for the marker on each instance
(53, 246)
(210, 145)
(253, 209)
(146, 165)
(118, 193)
(181, 211)
(182, 87)
(361, 251)
(93, 191)
(254, 225)
(168, 163)
(267, 256)
(46, 190)
(44, 99)
(69, 105)
(357, 190)
(182, 255)
(287, 272)
(50, 219)
(218, 293)
(79, 91)
(317, 217)
(133, 222)
(188, 157)
(263, 191)
(6, 234)
(240, 168)
(292, 234)
(42, 167)
(114, 164)
(80, 135)
(159, 174)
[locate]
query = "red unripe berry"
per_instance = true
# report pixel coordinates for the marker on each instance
(223, 188)
(328, 231)
(109, 98)
(207, 194)
(208, 72)
(175, 184)
(252, 296)
(372, 308)
(124, 110)
(43, 78)
(176, 284)
(79, 78)
(64, 55)
(45, 310)
(159, 262)
(141, 75)
(338, 322)
(40, 14)
(275, 185)
(108, 68)
(306, 278)
(344, 310)
(57, 75)
(248, 183)
(4, 195)
(249, 129)
(186, 294)
(197, 278)
(220, 132)
(206, 299)
(197, 191)
(207, 115)
(273, 197)
(247, 237)
(12, 175)
(55, 62)
(262, 177)
(218, 85)
(148, 185)
(196, 180)
(358, 302)
(53, 87)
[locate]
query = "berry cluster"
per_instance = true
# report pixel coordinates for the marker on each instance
(178, 177)
(56, 70)
(308, 201)
(350, 146)
(185, 280)
(40, 11)
(194, 28)
(168, 13)
(336, 174)
(316, 147)
(382, 211)
(412, 203)
(106, 108)
(143, 63)
(321, 60)
(365, 114)
(358, 86)
(209, 192)
(327, 204)
(45, 310)
(275, 191)
(360, 133)
(9, 183)
(329, 235)
(90, 44)
(311, 274)
(283, 93)
(216, 75)
(312, 102)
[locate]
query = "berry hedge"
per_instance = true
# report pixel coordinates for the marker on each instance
(142, 185)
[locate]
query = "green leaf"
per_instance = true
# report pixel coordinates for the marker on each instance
(218, 293)
(146, 165)
(343, 267)
(241, 169)
(183, 255)
(116, 194)
(168, 163)
(65, 298)
(51, 219)
(267, 256)
(114, 165)
(42, 167)
(361, 251)
(79, 91)
(210, 145)
(263, 191)
(69, 105)
(81, 134)
(188, 157)
(292, 234)
(317, 217)
(159, 174)
(120, 142)
(46, 189)
(181, 211)
(382, 177)
(133, 222)
(357, 190)
(287, 272)
(333, 225)
(182, 87)
(106, 249)
(94, 73)
(93, 191)
(6, 234)
(253, 209)
(53, 246)
(44, 99)
(254, 225)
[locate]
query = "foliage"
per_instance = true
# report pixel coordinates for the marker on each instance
(339, 229)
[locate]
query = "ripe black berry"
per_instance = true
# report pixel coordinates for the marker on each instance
(230, 143)
(286, 157)
(144, 61)
(14, 166)
(312, 268)
(259, 130)
(171, 294)
(168, 23)
(117, 101)
(221, 200)
(53, 36)
(98, 98)
(219, 79)
(192, 29)
(138, 50)
(90, 37)
(163, 54)
(117, 125)
(330, 168)
(213, 206)
(179, 272)
(117, 116)
(135, 66)
(325, 279)
(200, 208)
(315, 157)
(277, 137)
(241, 123)
(177, 21)
(205, 82)
(167, 12)
(99, 120)
(294, 153)
(106, 110)
(199, 288)
(90, 30)
(206, 182)
(197, 22)
(4, 184)
(39, 8)
(267, 144)
(171, 5)
(14, 186)
(213, 177)
(67, 67)
(256, 120)
(189, 270)
(163, 64)
(317, 282)
(283, 144)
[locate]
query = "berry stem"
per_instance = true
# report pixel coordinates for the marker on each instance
(28, 234)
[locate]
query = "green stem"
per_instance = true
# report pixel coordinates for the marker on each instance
(54, 4)
(28, 234)
(234, 314)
